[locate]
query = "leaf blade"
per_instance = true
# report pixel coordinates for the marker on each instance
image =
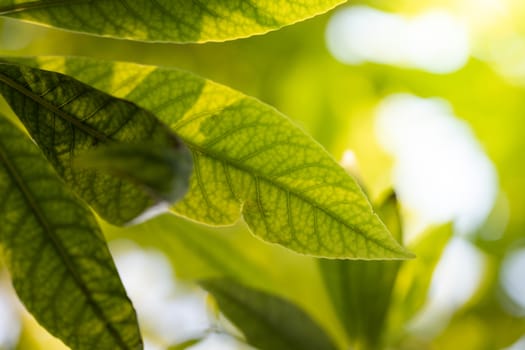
(57, 255)
(167, 20)
(234, 137)
(267, 321)
(67, 118)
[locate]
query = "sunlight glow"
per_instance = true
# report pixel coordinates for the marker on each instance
(456, 279)
(9, 317)
(458, 274)
(169, 312)
(434, 41)
(511, 278)
(441, 172)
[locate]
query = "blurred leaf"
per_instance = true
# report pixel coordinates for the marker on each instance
(185, 344)
(414, 277)
(66, 118)
(200, 252)
(163, 171)
(360, 291)
(196, 251)
(249, 158)
(59, 262)
(267, 321)
(167, 20)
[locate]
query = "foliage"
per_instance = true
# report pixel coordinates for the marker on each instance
(86, 139)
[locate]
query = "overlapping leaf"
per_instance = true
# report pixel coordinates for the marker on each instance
(163, 171)
(267, 321)
(249, 158)
(167, 20)
(68, 118)
(360, 291)
(59, 262)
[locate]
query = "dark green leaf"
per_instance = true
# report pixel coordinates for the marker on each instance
(163, 171)
(167, 20)
(267, 321)
(360, 291)
(67, 118)
(59, 262)
(249, 159)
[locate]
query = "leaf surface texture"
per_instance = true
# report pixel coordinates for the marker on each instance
(57, 256)
(167, 20)
(249, 159)
(68, 119)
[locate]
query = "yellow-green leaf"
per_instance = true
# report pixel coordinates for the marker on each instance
(249, 159)
(167, 20)
(411, 289)
(268, 322)
(68, 118)
(58, 259)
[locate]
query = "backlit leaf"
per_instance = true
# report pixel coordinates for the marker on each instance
(360, 291)
(249, 159)
(411, 289)
(58, 259)
(167, 20)
(267, 321)
(163, 171)
(68, 118)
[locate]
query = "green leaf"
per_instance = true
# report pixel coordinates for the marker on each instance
(267, 321)
(249, 159)
(360, 291)
(163, 171)
(411, 289)
(59, 261)
(67, 118)
(167, 20)
(185, 344)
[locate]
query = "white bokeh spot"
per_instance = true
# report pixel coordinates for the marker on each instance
(168, 313)
(511, 278)
(434, 41)
(441, 172)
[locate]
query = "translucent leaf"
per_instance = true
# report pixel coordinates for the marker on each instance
(167, 20)
(411, 289)
(249, 159)
(360, 291)
(67, 118)
(58, 259)
(163, 171)
(267, 321)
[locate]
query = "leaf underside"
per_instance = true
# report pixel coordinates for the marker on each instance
(267, 321)
(68, 118)
(167, 20)
(249, 159)
(58, 259)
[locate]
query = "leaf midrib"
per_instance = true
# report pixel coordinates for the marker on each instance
(102, 137)
(256, 173)
(37, 211)
(54, 109)
(34, 5)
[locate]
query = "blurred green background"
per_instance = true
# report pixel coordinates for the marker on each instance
(426, 97)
